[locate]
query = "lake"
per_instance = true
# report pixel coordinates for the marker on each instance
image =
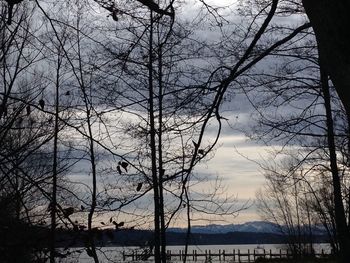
(114, 254)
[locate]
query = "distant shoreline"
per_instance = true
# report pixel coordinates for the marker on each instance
(143, 238)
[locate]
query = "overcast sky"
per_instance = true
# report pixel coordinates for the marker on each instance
(236, 160)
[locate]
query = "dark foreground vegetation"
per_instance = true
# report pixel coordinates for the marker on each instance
(302, 260)
(19, 242)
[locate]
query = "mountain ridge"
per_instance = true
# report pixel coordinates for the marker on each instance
(256, 232)
(247, 227)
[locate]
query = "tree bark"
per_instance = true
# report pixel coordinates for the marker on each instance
(331, 23)
(340, 217)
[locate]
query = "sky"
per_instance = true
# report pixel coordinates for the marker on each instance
(236, 160)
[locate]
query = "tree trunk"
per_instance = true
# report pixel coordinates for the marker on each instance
(53, 204)
(331, 23)
(155, 182)
(91, 247)
(160, 156)
(340, 217)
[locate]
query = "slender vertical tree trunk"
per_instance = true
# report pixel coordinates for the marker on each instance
(53, 204)
(296, 200)
(188, 232)
(93, 195)
(155, 182)
(162, 220)
(340, 218)
(160, 156)
(91, 237)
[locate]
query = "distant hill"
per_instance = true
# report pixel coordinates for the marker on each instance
(143, 238)
(248, 227)
(258, 232)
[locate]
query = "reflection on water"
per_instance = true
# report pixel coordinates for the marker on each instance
(115, 254)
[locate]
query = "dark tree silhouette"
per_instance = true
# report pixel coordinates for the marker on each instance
(331, 22)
